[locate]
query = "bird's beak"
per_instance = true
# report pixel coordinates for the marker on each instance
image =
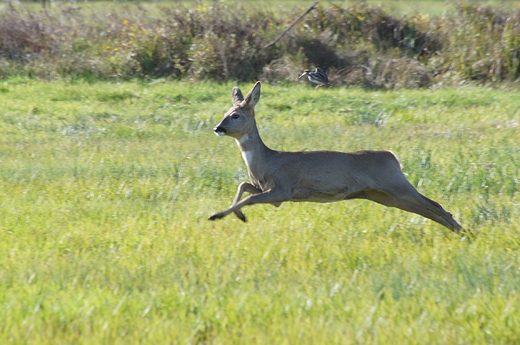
(302, 75)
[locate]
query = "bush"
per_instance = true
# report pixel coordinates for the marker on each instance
(359, 44)
(482, 43)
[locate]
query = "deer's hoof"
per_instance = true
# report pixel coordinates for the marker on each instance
(241, 216)
(216, 216)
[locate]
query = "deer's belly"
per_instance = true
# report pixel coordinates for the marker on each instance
(319, 196)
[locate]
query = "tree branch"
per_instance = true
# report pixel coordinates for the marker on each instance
(293, 24)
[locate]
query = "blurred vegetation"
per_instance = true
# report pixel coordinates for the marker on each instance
(357, 43)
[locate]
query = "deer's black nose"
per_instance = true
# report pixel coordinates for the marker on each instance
(219, 129)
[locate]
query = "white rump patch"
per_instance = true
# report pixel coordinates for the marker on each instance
(220, 133)
(397, 159)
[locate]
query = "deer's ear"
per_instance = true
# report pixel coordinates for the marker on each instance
(236, 96)
(253, 96)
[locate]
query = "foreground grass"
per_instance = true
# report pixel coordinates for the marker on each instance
(105, 190)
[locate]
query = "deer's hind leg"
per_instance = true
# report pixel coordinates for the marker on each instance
(416, 203)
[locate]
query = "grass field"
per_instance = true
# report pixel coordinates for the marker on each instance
(105, 190)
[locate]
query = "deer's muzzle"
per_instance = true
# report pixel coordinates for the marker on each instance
(219, 130)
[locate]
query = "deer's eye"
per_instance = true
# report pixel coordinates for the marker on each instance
(235, 116)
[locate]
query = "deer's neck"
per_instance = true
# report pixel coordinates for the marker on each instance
(253, 148)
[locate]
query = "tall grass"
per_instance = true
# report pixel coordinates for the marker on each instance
(357, 43)
(105, 189)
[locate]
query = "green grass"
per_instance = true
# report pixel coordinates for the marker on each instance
(105, 190)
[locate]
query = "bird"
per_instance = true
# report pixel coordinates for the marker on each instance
(318, 77)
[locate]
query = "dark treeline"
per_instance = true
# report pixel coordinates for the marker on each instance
(359, 44)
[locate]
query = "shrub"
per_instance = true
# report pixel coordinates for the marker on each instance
(359, 44)
(482, 43)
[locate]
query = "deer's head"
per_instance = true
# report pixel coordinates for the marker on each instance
(240, 119)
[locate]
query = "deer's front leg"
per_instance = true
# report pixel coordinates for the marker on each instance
(244, 187)
(272, 196)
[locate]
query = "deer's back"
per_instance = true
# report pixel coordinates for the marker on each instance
(326, 176)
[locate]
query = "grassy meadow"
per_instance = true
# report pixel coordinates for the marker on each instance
(105, 190)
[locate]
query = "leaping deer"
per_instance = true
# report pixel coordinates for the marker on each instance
(317, 176)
